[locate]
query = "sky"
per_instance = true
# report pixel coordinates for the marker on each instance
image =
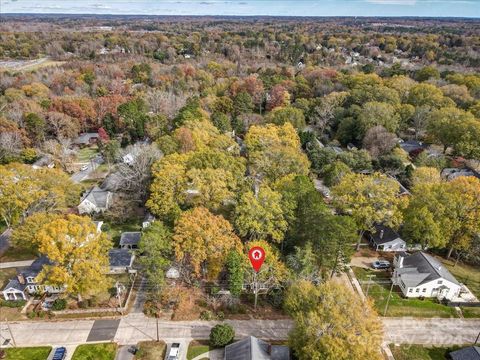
(441, 8)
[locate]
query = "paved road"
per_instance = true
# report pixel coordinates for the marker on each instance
(137, 327)
(431, 331)
(4, 241)
(82, 175)
(15, 264)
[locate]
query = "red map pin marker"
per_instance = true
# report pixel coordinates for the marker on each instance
(257, 257)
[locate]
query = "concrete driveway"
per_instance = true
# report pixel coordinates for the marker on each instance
(123, 354)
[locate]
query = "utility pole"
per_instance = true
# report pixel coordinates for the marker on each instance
(368, 284)
(11, 334)
(388, 299)
(156, 319)
(255, 289)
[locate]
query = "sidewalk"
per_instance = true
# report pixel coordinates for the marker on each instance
(15, 264)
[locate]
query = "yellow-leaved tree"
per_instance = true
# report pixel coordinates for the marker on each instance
(370, 199)
(24, 191)
(79, 255)
(203, 241)
(274, 152)
(332, 323)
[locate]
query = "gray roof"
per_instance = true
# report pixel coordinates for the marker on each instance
(85, 138)
(130, 238)
(468, 353)
(120, 257)
(32, 271)
(15, 284)
(421, 268)
(96, 196)
(37, 266)
(412, 145)
(251, 348)
(388, 235)
(453, 173)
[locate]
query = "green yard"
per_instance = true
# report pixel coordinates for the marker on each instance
(115, 230)
(196, 348)
(150, 350)
(468, 275)
(105, 351)
(17, 254)
(419, 352)
(28, 353)
(399, 306)
(7, 274)
(87, 153)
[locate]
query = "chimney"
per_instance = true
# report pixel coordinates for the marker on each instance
(381, 234)
(21, 279)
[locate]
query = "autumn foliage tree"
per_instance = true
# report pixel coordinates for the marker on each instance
(202, 241)
(369, 199)
(79, 255)
(332, 323)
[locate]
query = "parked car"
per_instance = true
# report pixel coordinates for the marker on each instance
(174, 351)
(60, 353)
(381, 264)
(133, 349)
(84, 167)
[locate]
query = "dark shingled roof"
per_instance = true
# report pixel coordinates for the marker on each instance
(120, 257)
(130, 238)
(15, 284)
(468, 353)
(252, 348)
(421, 268)
(388, 235)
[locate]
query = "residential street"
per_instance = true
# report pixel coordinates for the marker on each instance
(137, 327)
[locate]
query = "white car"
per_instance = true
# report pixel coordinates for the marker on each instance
(174, 351)
(84, 167)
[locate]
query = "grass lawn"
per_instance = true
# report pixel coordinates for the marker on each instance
(196, 348)
(468, 275)
(7, 274)
(151, 350)
(86, 153)
(419, 352)
(28, 353)
(105, 351)
(471, 312)
(16, 254)
(115, 230)
(398, 305)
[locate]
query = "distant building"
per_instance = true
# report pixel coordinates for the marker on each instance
(453, 173)
(130, 240)
(45, 161)
(251, 348)
(94, 200)
(420, 275)
(386, 239)
(413, 146)
(86, 139)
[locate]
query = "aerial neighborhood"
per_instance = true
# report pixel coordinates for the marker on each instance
(239, 189)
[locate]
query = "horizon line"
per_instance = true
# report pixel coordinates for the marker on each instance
(246, 16)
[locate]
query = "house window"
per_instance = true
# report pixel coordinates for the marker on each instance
(410, 290)
(418, 290)
(424, 290)
(30, 279)
(440, 282)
